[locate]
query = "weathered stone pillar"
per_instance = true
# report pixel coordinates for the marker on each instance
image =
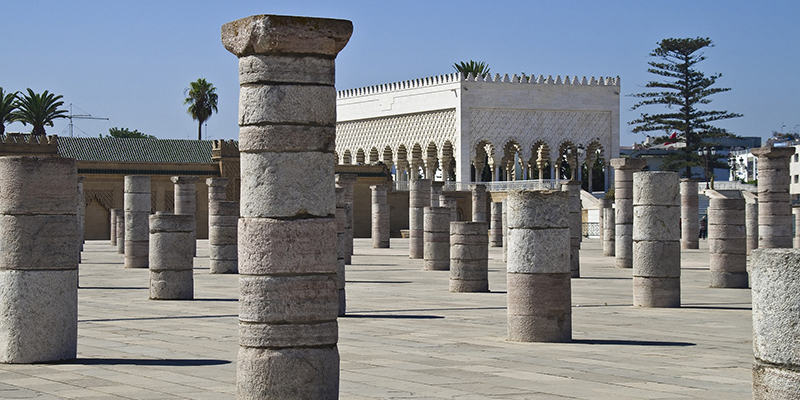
(656, 240)
(186, 202)
(539, 291)
(436, 238)
(419, 197)
(609, 228)
(121, 232)
(479, 203)
(751, 220)
(223, 239)
(450, 201)
(437, 188)
(504, 221)
(726, 241)
(690, 237)
(217, 189)
(137, 212)
(287, 233)
(341, 249)
(38, 268)
(469, 257)
(624, 168)
(347, 182)
(171, 260)
(380, 217)
(774, 207)
(574, 190)
(796, 214)
(113, 222)
(496, 230)
(81, 213)
(776, 331)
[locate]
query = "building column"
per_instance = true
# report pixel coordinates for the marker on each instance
(496, 230)
(223, 231)
(574, 190)
(137, 229)
(479, 203)
(656, 240)
(341, 249)
(171, 259)
(751, 220)
(469, 257)
(450, 201)
(609, 229)
(624, 168)
(689, 214)
(380, 217)
(437, 187)
(347, 182)
(113, 220)
(774, 206)
(121, 232)
(287, 118)
(419, 197)
(796, 213)
(436, 239)
(726, 241)
(186, 202)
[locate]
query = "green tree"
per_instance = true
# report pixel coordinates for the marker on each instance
(7, 107)
(683, 90)
(39, 110)
(201, 96)
(475, 68)
(127, 133)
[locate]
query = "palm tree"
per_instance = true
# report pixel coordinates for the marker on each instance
(7, 107)
(39, 110)
(201, 96)
(476, 68)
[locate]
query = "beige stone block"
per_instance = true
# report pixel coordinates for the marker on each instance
(276, 336)
(166, 222)
(656, 259)
(286, 69)
(288, 299)
(223, 252)
(469, 252)
(137, 202)
(223, 235)
(537, 209)
(656, 292)
(624, 211)
(772, 382)
(301, 246)
(776, 306)
(171, 285)
(223, 221)
(727, 246)
(288, 373)
(464, 269)
(38, 242)
(293, 138)
(656, 223)
(137, 225)
(223, 266)
(171, 251)
(287, 104)
(281, 34)
(287, 184)
(37, 185)
(137, 254)
(137, 184)
(538, 250)
(539, 307)
(469, 286)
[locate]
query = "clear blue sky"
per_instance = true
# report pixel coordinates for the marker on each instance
(130, 61)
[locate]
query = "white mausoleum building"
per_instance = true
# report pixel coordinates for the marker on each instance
(505, 128)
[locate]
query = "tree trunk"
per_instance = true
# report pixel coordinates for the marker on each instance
(199, 130)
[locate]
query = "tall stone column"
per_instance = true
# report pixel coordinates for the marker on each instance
(223, 237)
(656, 240)
(479, 203)
(539, 297)
(436, 239)
(469, 257)
(217, 189)
(81, 214)
(186, 201)
(137, 229)
(774, 207)
(347, 182)
(419, 197)
(121, 232)
(609, 228)
(341, 249)
(113, 222)
(796, 241)
(776, 332)
(38, 267)
(437, 188)
(690, 237)
(496, 231)
(450, 201)
(726, 241)
(574, 190)
(624, 168)
(171, 259)
(751, 220)
(380, 217)
(504, 221)
(287, 232)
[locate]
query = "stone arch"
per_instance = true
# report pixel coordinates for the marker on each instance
(448, 162)
(540, 160)
(402, 163)
(416, 161)
(431, 161)
(511, 164)
(347, 158)
(595, 166)
(360, 157)
(566, 161)
(373, 155)
(484, 161)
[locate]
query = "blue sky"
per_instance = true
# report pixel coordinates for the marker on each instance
(130, 61)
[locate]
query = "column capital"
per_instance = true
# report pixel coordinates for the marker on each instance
(216, 181)
(628, 163)
(184, 179)
(773, 152)
(283, 34)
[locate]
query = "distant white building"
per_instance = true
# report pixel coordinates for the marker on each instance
(460, 128)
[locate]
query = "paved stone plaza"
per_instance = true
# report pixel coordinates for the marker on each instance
(406, 336)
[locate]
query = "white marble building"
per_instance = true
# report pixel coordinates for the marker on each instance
(451, 126)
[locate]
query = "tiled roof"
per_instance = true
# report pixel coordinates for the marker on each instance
(136, 150)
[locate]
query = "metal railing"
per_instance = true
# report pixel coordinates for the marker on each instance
(728, 185)
(501, 186)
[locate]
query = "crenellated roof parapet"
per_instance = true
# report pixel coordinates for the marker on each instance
(224, 149)
(25, 144)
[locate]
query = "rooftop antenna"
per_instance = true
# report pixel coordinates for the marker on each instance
(72, 116)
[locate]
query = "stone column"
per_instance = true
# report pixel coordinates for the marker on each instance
(380, 217)
(419, 197)
(479, 203)
(81, 214)
(437, 187)
(751, 220)
(223, 239)
(171, 260)
(347, 182)
(774, 207)
(656, 240)
(341, 249)
(121, 232)
(38, 267)
(796, 214)
(469, 257)
(539, 297)
(449, 201)
(287, 230)
(504, 221)
(726, 241)
(436, 238)
(689, 214)
(186, 201)
(776, 332)
(137, 212)
(496, 229)
(624, 169)
(574, 190)
(217, 189)
(609, 239)
(113, 221)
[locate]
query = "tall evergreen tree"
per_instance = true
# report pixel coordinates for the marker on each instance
(39, 110)
(7, 107)
(683, 90)
(201, 96)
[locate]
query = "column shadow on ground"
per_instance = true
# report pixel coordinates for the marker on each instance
(631, 342)
(114, 287)
(177, 362)
(379, 282)
(392, 316)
